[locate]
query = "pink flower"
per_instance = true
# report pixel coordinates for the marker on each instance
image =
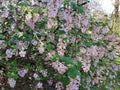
(30, 24)
(41, 49)
(29, 21)
(20, 45)
(83, 50)
(50, 23)
(59, 86)
(22, 72)
(50, 82)
(34, 42)
(74, 84)
(22, 53)
(36, 17)
(35, 75)
(1, 42)
(86, 65)
(5, 14)
(52, 13)
(92, 51)
(9, 53)
(11, 82)
(85, 22)
(39, 85)
(95, 37)
(61, 68)
(44, 73)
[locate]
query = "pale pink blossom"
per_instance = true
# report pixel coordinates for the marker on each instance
(20, 45)
(74, 84)
(34, 42)
(11, 82)
(36, 17)
(59, 86)
(1, 42)
(92, 51)
(41, 49)
(50, 23)
(22, 72)
(22, 53)
(9, 53)
(50, 82)
(61, 68)
(86, 66)
(44, 73)
(35, 75)
(39, 85)
(5, 14)
(83, 50)
(85, 22)
(30, 24)
(29, 21)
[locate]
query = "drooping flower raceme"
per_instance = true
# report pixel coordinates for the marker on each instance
(48, 37)
(61, 46)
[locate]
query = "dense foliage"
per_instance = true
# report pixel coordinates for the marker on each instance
(55, 43)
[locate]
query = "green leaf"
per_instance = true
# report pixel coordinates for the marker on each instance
(63, 21)
(41, 25)
(49, 46)
(10, 6)
(60, 32)
(117, 61)
(58, 76)
(78, 64)
(91, 28)
(2, 62)
(88, 43)
(40, 68)
(77, 8)
(66, 2)
(67, 60)
(3, 55)
(55, 58)
(35, 10)
(14, 46)
(25, 4)
(2, 36)
(80, 9)
(12, 75)
(28, 66)
(65, 80)
(73, 72)
(101, 63)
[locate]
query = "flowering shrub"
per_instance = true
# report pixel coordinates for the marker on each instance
(55, 43)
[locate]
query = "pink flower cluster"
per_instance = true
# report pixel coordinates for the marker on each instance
(74, 84)
(59, 86)
(60, 67)
(22, 72)
(42, 32)
(61, 46)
